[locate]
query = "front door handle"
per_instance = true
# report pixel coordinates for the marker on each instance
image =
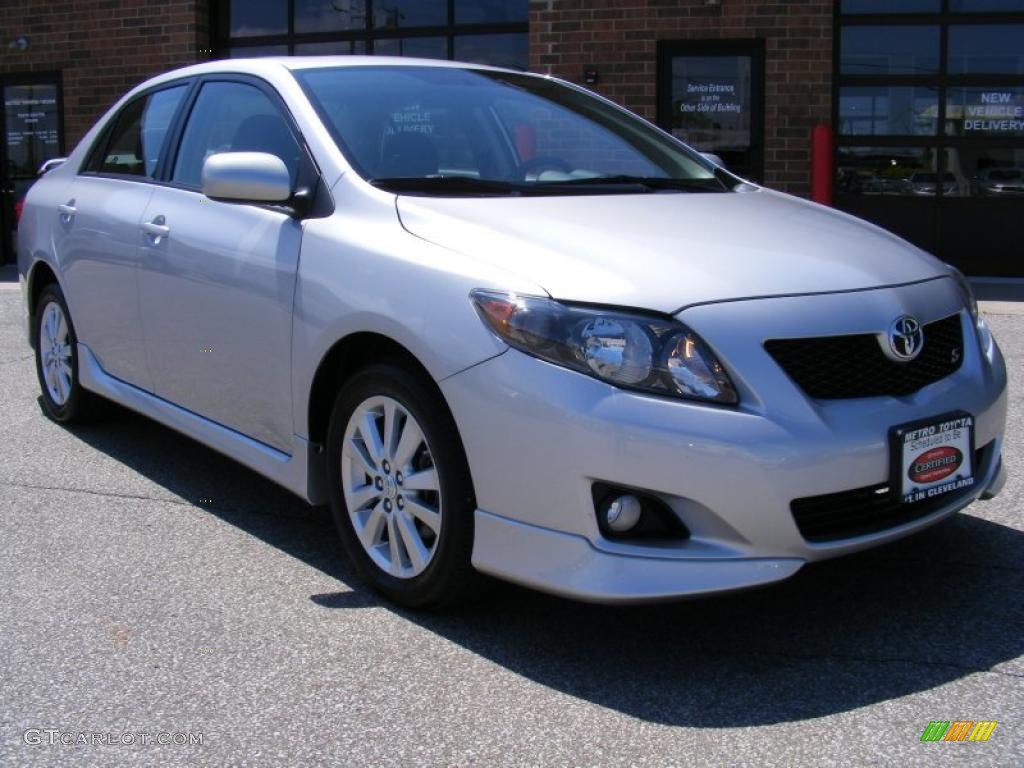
(67, 211)
(157, 229)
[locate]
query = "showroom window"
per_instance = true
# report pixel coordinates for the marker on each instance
(929, 116)
(478, 31)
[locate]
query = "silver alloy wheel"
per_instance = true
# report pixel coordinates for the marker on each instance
(391, 487)
(55, 353)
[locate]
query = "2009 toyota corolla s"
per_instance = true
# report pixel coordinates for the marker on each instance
(503, 326)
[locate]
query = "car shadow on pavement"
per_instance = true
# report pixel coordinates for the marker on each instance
(840, 635)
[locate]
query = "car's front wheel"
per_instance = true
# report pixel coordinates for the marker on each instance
(56, 347)
(400, 489)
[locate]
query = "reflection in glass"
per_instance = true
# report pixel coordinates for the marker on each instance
(402, 14)
(490, 11)
(420, 47)
(156, 120)
(329, 15)
(985, 6)
(891, 6)
(981, 111)
(995, 172)
(506, 50)
(986, 49)
(902, 50)
(331, 48)
(250, 18)
(882, 170)
(888, 111)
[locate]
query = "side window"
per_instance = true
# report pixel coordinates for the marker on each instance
(156, 121)
(138, 134)
(233, 117)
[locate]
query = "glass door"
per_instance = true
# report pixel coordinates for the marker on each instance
(32, 130)
(711, 95)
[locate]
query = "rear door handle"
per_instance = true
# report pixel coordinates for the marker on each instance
(157, 229)
(67, 211)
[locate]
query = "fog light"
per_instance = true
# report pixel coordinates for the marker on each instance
(623, 513)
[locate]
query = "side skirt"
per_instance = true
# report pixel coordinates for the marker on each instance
(302, 472)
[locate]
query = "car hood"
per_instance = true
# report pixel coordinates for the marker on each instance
(667, 251)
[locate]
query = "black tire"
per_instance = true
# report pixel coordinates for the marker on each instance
(449, 577)
(80, 406)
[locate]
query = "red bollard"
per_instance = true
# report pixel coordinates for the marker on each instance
(821, 164)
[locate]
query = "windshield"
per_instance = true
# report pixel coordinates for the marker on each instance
(441, 130)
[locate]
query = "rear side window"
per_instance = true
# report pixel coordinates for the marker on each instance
(233, 117)
(137, 137)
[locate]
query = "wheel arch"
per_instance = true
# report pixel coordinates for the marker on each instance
(40, 275)
(347, 356)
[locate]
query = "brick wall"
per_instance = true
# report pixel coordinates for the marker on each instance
(619, 39)
(102, 47)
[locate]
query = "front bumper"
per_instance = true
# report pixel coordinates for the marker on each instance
(538, 436)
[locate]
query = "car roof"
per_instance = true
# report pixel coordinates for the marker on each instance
(268, 65)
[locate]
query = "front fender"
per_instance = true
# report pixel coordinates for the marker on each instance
(359, 271)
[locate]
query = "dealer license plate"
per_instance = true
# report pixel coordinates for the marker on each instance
(933, 458)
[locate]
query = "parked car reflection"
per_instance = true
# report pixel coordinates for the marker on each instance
(925, 183)
(999, 182)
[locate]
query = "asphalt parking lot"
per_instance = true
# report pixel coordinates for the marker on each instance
(155, 589)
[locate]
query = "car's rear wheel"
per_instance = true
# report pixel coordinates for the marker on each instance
(56, 347)
(400, 488)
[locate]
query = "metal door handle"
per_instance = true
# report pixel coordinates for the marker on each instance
(67, 211)
(156, 228)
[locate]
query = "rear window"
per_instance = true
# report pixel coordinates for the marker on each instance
(133, 145)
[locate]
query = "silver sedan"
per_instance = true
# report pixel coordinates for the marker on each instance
(503, 326)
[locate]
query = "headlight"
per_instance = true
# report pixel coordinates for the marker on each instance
(651, 354)
(980, 326)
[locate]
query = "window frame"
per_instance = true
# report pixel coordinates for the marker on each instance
(308, 177)
(368, 33)
(942, 81)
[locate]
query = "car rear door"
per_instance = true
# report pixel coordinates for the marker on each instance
(217, 280)
(96, 232)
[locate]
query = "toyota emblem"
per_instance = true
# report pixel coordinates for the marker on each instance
(905, 339)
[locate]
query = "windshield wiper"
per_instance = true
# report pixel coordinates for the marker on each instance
(469, 186)
(447, 185)
(647, 183)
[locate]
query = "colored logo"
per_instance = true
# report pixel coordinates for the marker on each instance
(958, 730)
(935, 464)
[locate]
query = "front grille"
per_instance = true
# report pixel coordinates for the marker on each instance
(834, 367)
(864, 511)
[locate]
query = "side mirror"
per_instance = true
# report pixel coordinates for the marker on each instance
(50, 164)
(711, 157)
(246, 177)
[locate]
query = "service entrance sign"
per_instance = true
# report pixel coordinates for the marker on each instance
(711, 97)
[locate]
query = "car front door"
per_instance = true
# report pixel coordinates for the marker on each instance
(217, 280)
(97, 232)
